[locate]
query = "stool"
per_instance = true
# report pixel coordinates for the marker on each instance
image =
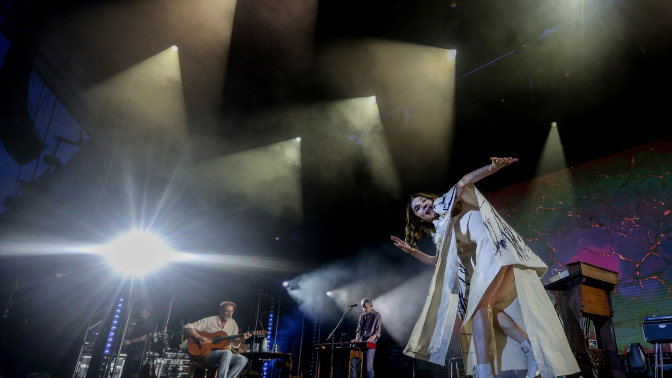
(454, 367)
(198, 370)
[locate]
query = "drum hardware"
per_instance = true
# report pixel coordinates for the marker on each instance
(169, 360)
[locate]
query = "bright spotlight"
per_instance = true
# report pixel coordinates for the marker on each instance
(450, 55)
(329, 293)
(553, 158)
(137, 253)
(291, 285)
(298, 139)
(173, 47)
(372, 98)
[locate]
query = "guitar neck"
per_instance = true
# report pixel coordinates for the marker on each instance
(217, 339)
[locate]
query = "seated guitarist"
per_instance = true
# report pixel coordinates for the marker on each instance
(229, 364)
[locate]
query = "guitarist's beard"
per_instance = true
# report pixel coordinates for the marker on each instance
(226, 318)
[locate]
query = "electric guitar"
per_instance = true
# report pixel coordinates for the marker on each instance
(218, 340)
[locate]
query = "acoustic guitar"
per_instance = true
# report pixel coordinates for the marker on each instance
(218, 340)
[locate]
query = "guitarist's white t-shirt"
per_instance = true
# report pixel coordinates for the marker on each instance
(213, 324)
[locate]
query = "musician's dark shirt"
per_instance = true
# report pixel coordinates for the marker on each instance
(369, 324)
(143, 326)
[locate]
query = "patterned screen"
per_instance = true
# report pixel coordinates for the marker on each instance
(616, 213)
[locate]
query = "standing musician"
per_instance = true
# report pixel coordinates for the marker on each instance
(368, 329)
(229, 364)
(137, 342)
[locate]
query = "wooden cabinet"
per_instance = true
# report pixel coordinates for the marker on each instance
(584, 302)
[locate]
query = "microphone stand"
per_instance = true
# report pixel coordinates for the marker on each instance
(165, 333)
(331, 337)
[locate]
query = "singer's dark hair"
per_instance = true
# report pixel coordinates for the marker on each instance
(416, 226)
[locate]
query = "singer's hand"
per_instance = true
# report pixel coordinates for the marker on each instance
(402, 245)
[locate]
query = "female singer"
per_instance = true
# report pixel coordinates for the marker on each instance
(486, 274)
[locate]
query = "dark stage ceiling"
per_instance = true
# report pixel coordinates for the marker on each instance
(250, 76)
(599, 69)
(265, 72)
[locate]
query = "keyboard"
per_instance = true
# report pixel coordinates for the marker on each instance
(657, 319)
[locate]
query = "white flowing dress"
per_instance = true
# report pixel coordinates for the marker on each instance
(472, 247)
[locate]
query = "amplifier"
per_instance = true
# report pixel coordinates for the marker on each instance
(82, 366)
(657, 329)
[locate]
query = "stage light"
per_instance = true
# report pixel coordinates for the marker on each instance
(137, 253)
(450, 55)
(291, 285)
(249, 172)
(329, 293)
(372, 98)
(157, 101)
(111, 334)
(553, 157)
(298, 139)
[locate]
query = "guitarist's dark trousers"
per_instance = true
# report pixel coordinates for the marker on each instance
(229, 364)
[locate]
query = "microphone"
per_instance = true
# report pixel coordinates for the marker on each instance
(351, 306)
